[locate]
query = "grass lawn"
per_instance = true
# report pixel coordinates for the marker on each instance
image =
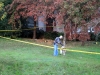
(23, 59)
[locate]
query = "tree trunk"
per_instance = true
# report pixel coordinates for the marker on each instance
(34, 31)
(64, 40)
(83, 43)
(96, 38)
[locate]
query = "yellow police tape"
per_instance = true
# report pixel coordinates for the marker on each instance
(10, 30)
(51, 46)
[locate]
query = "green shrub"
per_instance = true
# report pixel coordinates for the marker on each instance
(92, 36)
(52, 35)
(98, 37)
(95, 37)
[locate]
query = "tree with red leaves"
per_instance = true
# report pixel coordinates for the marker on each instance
(80, 12)
(71, 13)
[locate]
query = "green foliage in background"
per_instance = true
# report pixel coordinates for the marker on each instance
(52, 35)
(2, 11)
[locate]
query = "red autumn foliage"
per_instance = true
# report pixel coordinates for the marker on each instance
(82, 38)
(55, 9)
(97, 29)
